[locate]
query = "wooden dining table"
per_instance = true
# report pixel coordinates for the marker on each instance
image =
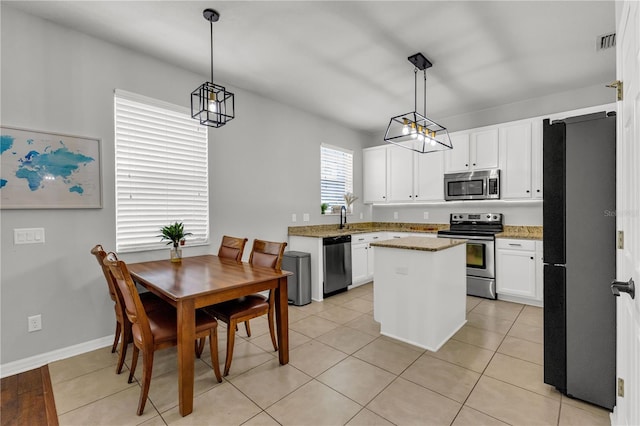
(201, 281)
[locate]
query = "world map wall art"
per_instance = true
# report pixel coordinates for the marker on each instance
(48, 170)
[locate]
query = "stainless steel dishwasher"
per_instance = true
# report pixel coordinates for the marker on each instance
(337, 264)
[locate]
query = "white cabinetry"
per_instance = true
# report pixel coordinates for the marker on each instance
(536, 159)
(400, 174)
(521, 160)
(375, 174)
(362, 257)
(473, 150)
(428, 174)
(517, 269)
(515, 160)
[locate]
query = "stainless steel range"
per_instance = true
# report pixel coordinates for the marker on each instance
(480, 230)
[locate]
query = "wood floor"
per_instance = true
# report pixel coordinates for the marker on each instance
(27, 399)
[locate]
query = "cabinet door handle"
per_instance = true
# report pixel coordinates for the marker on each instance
(531, 257)
(375, 238)
(466, 165)
(515, 245)
(474, 164)
(528, 191)
(537, 190)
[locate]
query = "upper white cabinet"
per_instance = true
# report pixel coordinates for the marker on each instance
(375, 174)
(473, 150)
(515, 160)
(536, 159)
(428, 171)
(521, 159)
(400, 174)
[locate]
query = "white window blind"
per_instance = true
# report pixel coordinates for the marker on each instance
(161, 172)
(336, 174)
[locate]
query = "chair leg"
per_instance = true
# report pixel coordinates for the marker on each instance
(231, 335)
(213, 347)
(272, 330)
(117, 338)
(200, 346)
(147, 367)
(246, 326)
(126, 337)
(134, 363)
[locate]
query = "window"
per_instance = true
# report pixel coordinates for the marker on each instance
(161, 172)
(336, 175)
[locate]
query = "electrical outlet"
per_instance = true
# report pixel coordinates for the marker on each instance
(35, 323)
(395, 215)
(426, 215)
(361, 215)
(293, 217)
(305, 217)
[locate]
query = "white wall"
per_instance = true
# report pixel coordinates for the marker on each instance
(264, 166)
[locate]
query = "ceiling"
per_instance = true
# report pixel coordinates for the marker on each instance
(347, 60)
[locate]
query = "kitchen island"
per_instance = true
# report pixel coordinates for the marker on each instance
(419, 289)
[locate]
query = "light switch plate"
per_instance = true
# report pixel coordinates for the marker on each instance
(28, 236)
(293, 217)
(426, 215)
(395, 215)
(305, 217)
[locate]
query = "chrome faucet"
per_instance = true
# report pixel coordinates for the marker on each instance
(343, 209)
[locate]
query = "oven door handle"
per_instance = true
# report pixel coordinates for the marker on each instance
(467, 237)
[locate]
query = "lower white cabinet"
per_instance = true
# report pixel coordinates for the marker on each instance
(518, 270)
(362, 257)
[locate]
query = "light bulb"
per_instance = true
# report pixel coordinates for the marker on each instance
(414, 133)
(405, 126)
(213, 104)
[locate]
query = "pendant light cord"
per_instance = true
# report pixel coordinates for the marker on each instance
(211, 26)
(425, 92)
(415, 89)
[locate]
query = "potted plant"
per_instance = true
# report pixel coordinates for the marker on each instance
(324, 207)
(175, 234)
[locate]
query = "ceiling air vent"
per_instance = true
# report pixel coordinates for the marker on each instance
(606, 41)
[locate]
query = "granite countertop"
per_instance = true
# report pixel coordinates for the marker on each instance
(323, 231)
(521, 232)
(419, 243)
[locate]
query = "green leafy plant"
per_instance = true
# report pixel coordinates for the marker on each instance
(174, 233)
(324, 207)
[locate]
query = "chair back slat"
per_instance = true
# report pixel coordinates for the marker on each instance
(267, 253)
(232, 247)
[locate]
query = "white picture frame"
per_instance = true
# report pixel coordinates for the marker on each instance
(46, 170)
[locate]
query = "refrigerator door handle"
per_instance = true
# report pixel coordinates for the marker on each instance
(626, 287)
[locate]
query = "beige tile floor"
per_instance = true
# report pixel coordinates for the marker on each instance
(341, 371)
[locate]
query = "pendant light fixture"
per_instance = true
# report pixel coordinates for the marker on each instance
(211, 103)
(414, 130)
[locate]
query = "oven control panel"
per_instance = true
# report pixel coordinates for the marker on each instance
(495, 218)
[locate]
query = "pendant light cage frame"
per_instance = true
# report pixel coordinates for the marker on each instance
(414, 130)
(212, 104)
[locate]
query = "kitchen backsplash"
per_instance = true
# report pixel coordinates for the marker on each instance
(522, 213)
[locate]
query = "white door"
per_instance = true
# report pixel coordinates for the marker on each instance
(627, 410)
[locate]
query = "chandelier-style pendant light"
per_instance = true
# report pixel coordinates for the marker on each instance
(413, 130)
(211, 103)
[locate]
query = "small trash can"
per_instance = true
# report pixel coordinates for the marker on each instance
(299, 284)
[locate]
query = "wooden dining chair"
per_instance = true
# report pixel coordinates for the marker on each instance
(232, 248)
(123, 325)
(155, 330)
(232, 312)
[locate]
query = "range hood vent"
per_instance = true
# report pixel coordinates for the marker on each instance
(606, 41)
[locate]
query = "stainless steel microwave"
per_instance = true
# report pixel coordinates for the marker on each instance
(476, 185)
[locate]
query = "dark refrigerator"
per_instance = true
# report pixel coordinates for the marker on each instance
(579, 156)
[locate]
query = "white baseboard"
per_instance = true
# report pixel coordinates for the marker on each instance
(37, 361)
